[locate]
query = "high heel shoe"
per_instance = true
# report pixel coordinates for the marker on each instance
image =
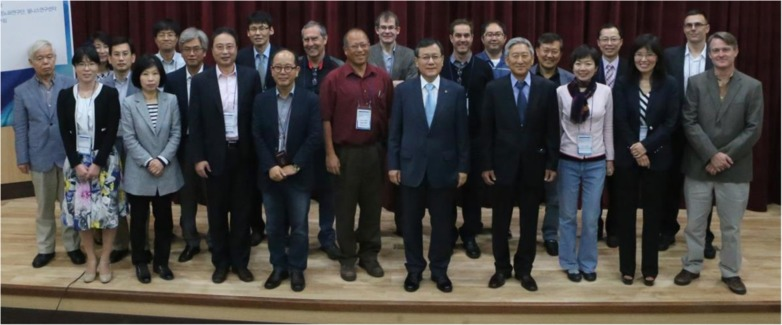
(105, 277)
(89, 277)
(627, 279)
(649, 280)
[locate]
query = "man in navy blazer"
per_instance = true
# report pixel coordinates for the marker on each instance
(259, 55)
(221, 148)
(428, 156)
(520, 136)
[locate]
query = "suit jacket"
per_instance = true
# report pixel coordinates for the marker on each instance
(620, 72)
(505, 143)
(143, 142)
(246, 57)
(176, 84)
(107, 115)
(674, 64)
(305, 136)
(438, 152)
(109, 81)
(565, 77)
(36, 128)
(731, 126)
(207, 126)
(404, 61)
(662, 115)
(475, 76)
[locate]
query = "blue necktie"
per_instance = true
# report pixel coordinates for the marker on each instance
(521, 101)
(429, 104)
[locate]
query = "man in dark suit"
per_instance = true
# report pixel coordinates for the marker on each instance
(428, 156)
(221, 148)
(520, 136)
(682, 63)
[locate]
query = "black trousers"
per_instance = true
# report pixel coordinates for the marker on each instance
(472, 196)
(164, 224)
(441, 203)
(611, 223)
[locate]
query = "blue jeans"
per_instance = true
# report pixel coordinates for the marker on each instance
(287, 209)
(589, 176)
(551, 218)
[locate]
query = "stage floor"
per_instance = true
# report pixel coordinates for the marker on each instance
(328, 299)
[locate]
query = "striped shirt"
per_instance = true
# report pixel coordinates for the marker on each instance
(153, 109)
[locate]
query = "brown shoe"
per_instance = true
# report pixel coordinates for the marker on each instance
(735, 285)
(685, 277)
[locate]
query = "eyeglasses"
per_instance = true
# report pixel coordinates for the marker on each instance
(261, 28)
(694, 25)
(283, 68)
(386, 28)
(609, 39)
(194, 49)
(86, 64)
(434, 58)
(493, 35)
(363, 46)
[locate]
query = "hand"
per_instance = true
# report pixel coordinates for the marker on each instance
(289, 170)
(93, 171)
(488, 177)
(721, 161)
(462, 179)
(202, 167)
(276, 174)
(81, 172)
(643, 161)
(24, 168)
(609, 167)
(550, 176)
(332, 164)
(711, 169)
(155, 167)
(395, 176)
(638, 150)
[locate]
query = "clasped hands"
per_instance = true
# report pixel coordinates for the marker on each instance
(86, 174)
(719, 163)
(278, 173)
(639, 153)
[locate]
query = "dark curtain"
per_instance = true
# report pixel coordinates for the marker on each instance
(755, 24)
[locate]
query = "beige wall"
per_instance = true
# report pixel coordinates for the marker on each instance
(10, 174)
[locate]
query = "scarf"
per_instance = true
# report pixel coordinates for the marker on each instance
(579, 109)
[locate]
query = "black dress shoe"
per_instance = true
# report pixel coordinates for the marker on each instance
(220, 274)
(627, 279)
(709, 252)
(164, 272)
(498, 279)
(591, 276)
(665, 242)
(443, 283)
(527, 282)
(413, 281)
(244, 274)
(275, 279)
(297, 281)
(188, 253)
(372, 267)
(575, 277)
(735, 285)
(41, 260)
(142, 273)
(257, 238)
(118, 255)
(685, 277)
(552, 247)
(612, 241)
(77, 257)
(332, 252)
(472, 249)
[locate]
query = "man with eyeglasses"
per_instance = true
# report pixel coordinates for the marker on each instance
(396, 59)
(493, 38)
(165, 32)
(472, 74)
(354, 100)
(684, 62)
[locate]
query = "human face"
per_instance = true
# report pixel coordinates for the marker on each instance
(584, 69)
(121, 58)
(645, 61)
(461, 39)
(193, 53)
(609, 42)
(150, 79)
(519, 60)
(722, 55)
(259, 34)
(696, 28)
(224, 50)
(102, 49)
(357, 48)
(429, 62)
(314, 43)
(166, 40)
(86, 70)
(387, 31)
(493, 38)
(43, 62)
(284, 69)
(549, 54)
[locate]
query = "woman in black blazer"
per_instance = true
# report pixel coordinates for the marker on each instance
(646, 111)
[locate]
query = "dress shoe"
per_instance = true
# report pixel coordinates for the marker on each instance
(77, 257)
(89, 277)
(118, 255)
(472, 249)
(257, 238)
(527, 282)
(413, 281)
(188, 253)
(627, 279)
(735, 285)
(347, 272)
(685, 277)
(142, 273)
(589, 276)
(244, 274)
(665, 242)
(498, 279)
(709, 252)
(105, 277)
(552, 247)
(332, 252)
(164, 272)
(41, 260)
(575, 277)
(443, 283)
(612, 241)
(373, 268)
(649, 280)
(220, 274)
(275, 279)
(297, 281)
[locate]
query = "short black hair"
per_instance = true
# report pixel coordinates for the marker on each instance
(427, 42)
(99, 36)
(651, 43)
(225, 30)
(548, 38)
(492, 21)
(259, 17)
(609, 26)
(145, 62)
(165, 24)
(584, 51)
(83, 53)
(695, 12)
(119, 40)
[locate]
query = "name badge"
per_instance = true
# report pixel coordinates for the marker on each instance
(642, 134)
(84, 144)
(231, 130)
(584, 144)
(364, 119)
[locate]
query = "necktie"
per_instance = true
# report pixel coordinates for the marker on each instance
(521, 101)
(429, 104)
(610, 76)
(262, 69)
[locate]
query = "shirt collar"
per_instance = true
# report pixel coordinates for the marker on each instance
(277, 91)
(453, 59)
(320, 64)
(527, 79)
(436, 82)
(615, 63)
(54, 77)
(187, 72)
(687, 51)
(348, 70)
(265, 52)
(127, 77)
(220, 73)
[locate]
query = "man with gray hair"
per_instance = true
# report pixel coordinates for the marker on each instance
(520, 143)
(39, 150)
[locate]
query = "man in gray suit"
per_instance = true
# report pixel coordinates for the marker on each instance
(39, 149)
(722, 122)
(397, 60)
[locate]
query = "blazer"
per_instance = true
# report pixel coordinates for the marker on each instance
(662, 116)
(109, 81)
(404, 61)
(439, 152)
(36, 128)
(176, 84)
(620, 72)
(305, 136)
(246, 57)
(731, 126)
(144, 142)
(207, 126)
(107, 115)
(674, 64)
(506, 143)
(565, 77)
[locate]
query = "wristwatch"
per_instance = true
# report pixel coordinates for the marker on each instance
(296, 167)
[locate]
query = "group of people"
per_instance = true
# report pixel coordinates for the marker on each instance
(266, 127)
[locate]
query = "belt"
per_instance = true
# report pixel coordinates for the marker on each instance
(232, 144)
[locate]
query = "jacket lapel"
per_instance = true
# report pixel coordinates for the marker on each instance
(143, 111)
(734, 87)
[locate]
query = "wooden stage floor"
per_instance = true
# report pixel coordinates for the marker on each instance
(328, 299)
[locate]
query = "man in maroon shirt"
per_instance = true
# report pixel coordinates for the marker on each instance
(355, 99)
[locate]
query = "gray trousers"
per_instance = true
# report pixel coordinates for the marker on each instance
(49, 188)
